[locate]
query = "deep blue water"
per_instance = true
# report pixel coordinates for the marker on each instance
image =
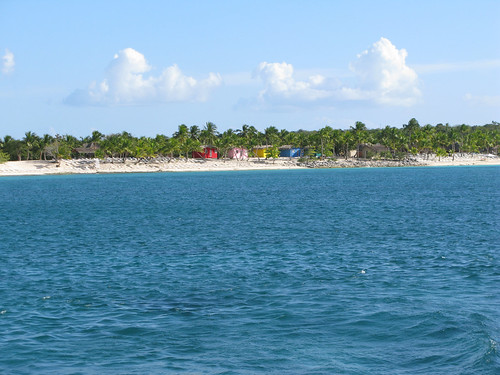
(345, 271)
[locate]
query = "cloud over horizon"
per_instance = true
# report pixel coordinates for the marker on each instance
(381, 76)
(8, 62)
(280, 84)
(125, 83)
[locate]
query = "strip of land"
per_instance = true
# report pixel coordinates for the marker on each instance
(86, 166)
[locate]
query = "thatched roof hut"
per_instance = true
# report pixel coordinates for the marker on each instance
(87, 150)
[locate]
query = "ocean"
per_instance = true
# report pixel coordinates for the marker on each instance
(337, 271)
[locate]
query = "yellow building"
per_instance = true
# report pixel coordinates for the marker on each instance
(261, 151)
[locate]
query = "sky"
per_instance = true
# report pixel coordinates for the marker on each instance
(145, 67)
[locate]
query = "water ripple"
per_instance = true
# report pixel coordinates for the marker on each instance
(277, 272)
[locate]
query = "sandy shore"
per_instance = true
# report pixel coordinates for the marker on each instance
(82, 166)
(465, 159)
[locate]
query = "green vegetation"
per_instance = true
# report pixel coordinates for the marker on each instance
(4, 157)
(273, 152)
(411, 139)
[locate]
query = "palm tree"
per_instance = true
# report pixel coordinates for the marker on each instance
(398, 141)
(250, 137)
(290, 139)
(337, 142)
(349, 141)
(118, 145)
(463, 130)
(427, 137)
(272, 135)
(172, 146)
(190, 146)
(302, 139)
(97, 136)
(161, 141)
(126, 144)
(324, 137)
(30, 142)
(410, 129)
(228, 140)
(283, 133)
(273, 152)
(243, 133)
(182, 133)
(44, 142)
(359, 135)
(209, 134)
(59, 149)
(194, 132)
(12, 147)
(146, 147)
(439, 143)
(410, 138)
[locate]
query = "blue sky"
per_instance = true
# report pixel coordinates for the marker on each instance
(71, 67)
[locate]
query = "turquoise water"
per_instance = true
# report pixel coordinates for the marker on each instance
(346, 271)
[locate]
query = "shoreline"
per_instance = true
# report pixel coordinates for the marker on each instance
(96, 166)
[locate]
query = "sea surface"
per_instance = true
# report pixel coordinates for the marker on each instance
(341, 271)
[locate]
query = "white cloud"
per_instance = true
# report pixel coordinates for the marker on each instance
(125, 83)
(384, 75)
(381, 74)
(8, 62)
(486, 100)
(280, 84)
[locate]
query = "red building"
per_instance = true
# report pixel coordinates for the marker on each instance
(209, 152)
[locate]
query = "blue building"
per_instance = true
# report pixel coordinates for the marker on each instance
(289, 152)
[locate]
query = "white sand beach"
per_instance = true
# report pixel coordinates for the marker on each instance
(86, 166)
(461, 159)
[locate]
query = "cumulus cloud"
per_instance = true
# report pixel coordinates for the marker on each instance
(384, 75)
(381, 74)
(126, 83)
(280, 84)
(8, 62)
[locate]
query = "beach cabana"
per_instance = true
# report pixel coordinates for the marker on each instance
(87, 151)
(209, 152)
(261, 151)
(237, 153)
(290, 152)
(367, 150)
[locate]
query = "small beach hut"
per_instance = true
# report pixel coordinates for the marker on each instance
(237, 153)
(261, 151)
(290, 152)
(209, 152)
(368, 151)
(87, 151)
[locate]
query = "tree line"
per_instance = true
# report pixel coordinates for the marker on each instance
(411, 138)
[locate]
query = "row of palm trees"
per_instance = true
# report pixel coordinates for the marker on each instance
(411, 138)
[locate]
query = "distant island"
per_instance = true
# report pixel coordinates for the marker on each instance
(412, 144)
